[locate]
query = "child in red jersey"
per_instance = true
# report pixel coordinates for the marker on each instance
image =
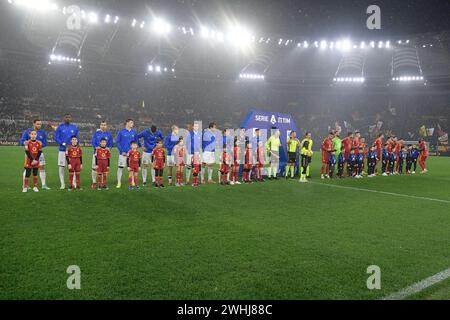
(74, 158)
(159, 161)
(102, 163)
(248, 162)
(33, 150)
(134, 166)
(259, 161)
(179, 152)
(224, 166)
(196, 168)
(236, 163)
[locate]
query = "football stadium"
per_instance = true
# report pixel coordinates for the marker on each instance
(224, 150)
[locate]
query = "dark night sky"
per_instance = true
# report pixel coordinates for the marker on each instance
(296, 17)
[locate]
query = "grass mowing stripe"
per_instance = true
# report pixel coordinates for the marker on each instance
(419, 286)
(383, 192)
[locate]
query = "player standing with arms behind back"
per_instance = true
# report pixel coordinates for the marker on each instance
(123, 143)
(63, 137)
(159, 160)
(134, 166)
(33, 150)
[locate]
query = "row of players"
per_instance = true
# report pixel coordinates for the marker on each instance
(198, 153)
(245, 158)
(351, 153)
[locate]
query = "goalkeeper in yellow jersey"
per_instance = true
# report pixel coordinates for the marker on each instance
(306, 156)
(292, 144)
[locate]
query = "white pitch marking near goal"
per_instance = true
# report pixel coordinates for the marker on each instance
(419, 286)
(383, 192)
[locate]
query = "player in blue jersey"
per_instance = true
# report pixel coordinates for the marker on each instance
(351, 164)
(359, 163)
(63, 137)
(169, 143)
(42, 137)
(98, 135)
(193, 145)
(414, 157)
(341, 163)
(150, 137)
(372, 159)
(123, 142)
(385, 159)
(209, 151)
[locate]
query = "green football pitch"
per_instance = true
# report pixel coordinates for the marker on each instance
(273, 240)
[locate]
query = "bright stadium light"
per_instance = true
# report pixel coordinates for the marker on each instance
(133, 24)
(323, 45)
(372, 44)
(107, 18)
(116, 19)
(380, 44)
(388, 44)
(38, 5)
(346, 45)
(158, 69)
(160, 26)
(239, 36)
(204, 32)
(350, 79)
(316, 44)
(251, 76)
(93, 17)
(142, 25)
(331, 45)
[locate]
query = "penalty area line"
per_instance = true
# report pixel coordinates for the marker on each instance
(382, 192)
(419, 286)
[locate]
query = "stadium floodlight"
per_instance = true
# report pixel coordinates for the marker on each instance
(372, 44)
(133, 24)
(280, 41)
(107, 18)
(142, 25)
(251, 76)
(380, 44)
(388, 44)
(362, 45)
(239, 36)
(331, 45)
(158, 69)
(116, 20)
(165, 69)
(346, 45)
(150, 68)
(204, 32)
(92, 17)
(10, 1)
(38, 5)
(305, 44)
(323, 45)
(160, 26)
(316, 44)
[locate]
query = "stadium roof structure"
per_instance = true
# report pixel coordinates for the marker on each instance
(193, 50)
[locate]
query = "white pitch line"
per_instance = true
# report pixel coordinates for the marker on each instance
(382, 192)
(419, 286)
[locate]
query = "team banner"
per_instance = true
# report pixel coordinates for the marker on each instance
(265, 121)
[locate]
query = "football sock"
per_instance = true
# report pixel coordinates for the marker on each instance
(153, 175)
(210, 173)
(61, 175)
(25, 182)
(119, 175)
(77, 177)
(71, 179)
(42, 175)
(35, 181)
(202, 173)
(144, 174)
(94, 176)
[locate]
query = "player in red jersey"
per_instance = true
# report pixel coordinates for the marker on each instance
(259, 161)
(134, 166)
(423, 155)
(102, 163)
(327, 148)
(74, 158)
(347, 143)
(378, 144)
(179, 152)
(33, 150)
(159, 161)
(225, 166)
(248, 162)
(365, 151)
(397, 149)
(236, 162)
(356, 141)
(196, 168)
